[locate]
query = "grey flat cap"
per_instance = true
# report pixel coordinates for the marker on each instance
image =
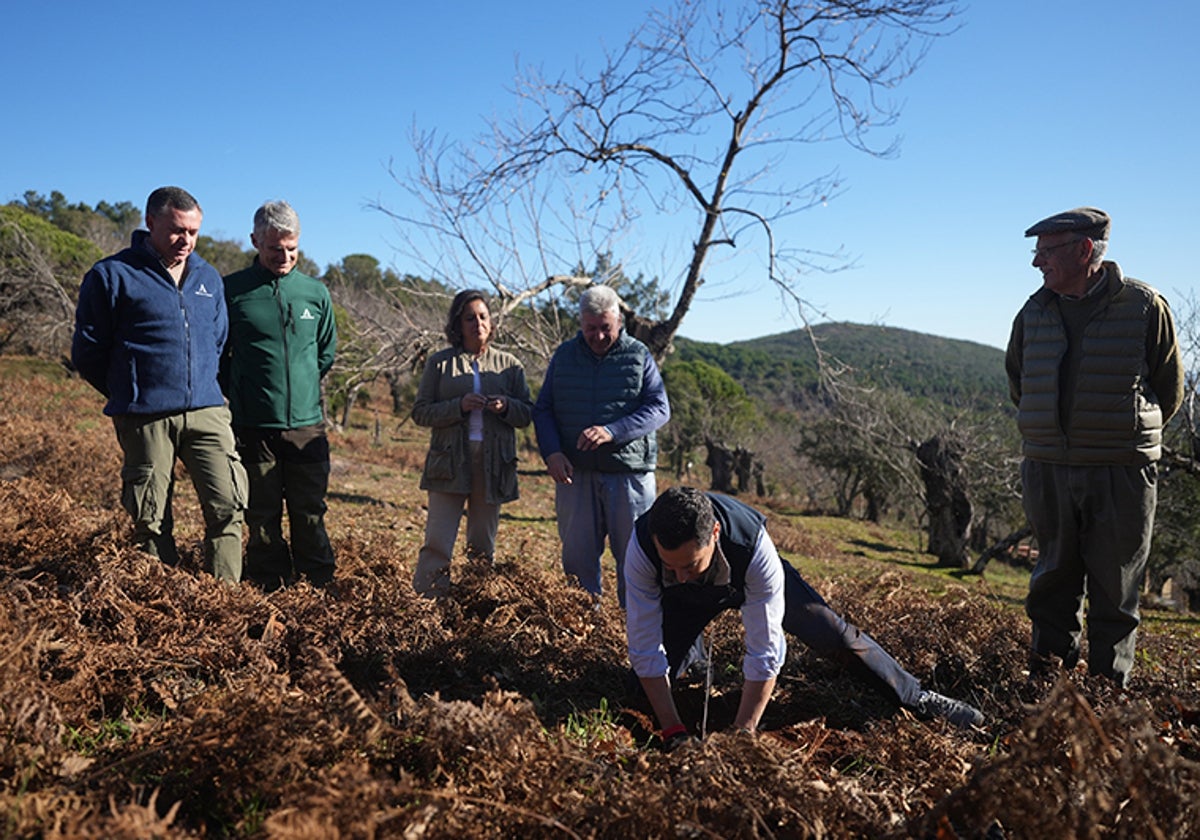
(1088, 221)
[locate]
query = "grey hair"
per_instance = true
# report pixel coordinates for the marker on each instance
(599, 300)
(170, 198)
(1099, 248)
(276, 215)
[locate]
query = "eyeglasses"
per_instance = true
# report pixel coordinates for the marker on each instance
(1045, 250)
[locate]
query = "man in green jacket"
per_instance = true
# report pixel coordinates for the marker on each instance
(282, 340)
(1095, 370)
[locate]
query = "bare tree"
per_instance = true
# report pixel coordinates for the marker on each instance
(1174, 555)
(1187, 441)
(689, 120)
(385, 336)
(36, 309)
(863, 439)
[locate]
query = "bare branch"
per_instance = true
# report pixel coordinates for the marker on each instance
(688, 125)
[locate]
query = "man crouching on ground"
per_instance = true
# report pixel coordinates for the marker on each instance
(694, 555)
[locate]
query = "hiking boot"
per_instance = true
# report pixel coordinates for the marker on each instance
(932, 705)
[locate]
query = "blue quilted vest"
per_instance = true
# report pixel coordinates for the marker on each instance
(591, 390)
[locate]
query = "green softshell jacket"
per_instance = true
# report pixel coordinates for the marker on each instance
(282, 340)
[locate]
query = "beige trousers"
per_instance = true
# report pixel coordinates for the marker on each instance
(432, 576)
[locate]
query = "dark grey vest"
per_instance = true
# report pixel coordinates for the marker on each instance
(1114, 417)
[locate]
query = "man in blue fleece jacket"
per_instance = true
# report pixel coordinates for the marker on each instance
(149, 329)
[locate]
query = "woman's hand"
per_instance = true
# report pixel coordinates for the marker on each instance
(497, 404)
(473, 402)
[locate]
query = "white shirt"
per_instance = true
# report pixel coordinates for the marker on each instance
(475, 419)
(762, 613)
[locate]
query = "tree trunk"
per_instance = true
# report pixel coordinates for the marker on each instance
(946, 500)
(743, 468)
(396, 380)
(1003, 547)
(721, 461)
(351, 396)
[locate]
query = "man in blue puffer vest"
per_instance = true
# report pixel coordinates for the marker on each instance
(149, 329)
(596, 416)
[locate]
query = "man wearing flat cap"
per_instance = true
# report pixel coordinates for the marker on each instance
(1095, 370)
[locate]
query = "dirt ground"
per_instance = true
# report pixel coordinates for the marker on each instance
(141, 701)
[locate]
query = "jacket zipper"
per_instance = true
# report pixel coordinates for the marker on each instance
(187, 337)
(285, 322)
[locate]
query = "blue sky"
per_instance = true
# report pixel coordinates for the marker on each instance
(1031, 108)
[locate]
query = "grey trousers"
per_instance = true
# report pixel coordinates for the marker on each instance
(1093, 527)
(593, 506)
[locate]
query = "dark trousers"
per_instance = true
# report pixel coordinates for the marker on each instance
(688, 610)
(286, 467)
(1093, 528)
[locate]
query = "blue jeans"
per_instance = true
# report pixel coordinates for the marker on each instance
(593, 506)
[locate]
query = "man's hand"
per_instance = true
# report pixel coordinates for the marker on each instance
(560, 468)
(593, 437)
(678, 738)
(755, 696)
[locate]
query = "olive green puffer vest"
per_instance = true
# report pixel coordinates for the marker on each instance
(1114, 417)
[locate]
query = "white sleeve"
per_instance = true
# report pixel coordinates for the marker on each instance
(762, 613)
(643, 613)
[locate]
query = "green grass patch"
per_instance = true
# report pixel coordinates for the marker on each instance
(591, 725)
(30, 367)
(863, 550)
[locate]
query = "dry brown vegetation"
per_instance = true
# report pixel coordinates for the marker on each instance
(143, 701)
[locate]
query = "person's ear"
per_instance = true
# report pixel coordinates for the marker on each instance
(1089, 249)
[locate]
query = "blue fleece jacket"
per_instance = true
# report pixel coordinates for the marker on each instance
(146, 344)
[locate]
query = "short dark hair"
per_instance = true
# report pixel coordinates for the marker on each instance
(454, 321)
(681, 514)
(174, 198)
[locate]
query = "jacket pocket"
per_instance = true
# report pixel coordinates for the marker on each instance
(505, 467)
(439, 464)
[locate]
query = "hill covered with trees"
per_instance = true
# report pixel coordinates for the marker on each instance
(784, 368)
